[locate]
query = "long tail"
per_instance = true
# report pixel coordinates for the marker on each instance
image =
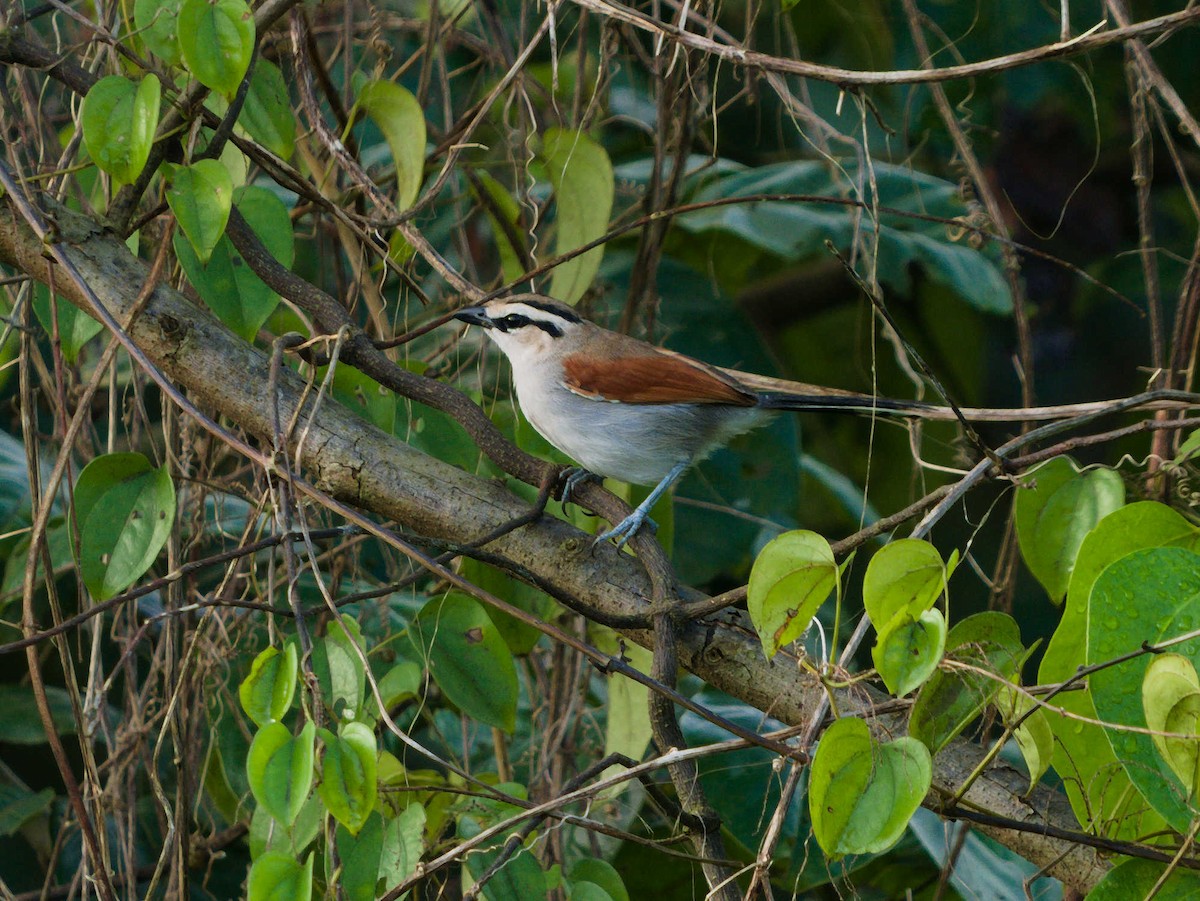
(852, 403)
(781, 394)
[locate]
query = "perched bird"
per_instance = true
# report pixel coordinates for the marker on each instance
(628, 410)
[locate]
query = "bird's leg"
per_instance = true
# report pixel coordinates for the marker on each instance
(627, 528)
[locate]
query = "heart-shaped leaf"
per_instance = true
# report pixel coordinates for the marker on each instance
(124, 510)
(862, 793)
(118, 119)
(200, 196)
(789, 581)
(216, 40)
(280, 769)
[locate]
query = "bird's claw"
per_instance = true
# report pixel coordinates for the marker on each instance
(574, 477)
(627, 528)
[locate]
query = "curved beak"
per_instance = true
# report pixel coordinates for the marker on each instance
(474, 316)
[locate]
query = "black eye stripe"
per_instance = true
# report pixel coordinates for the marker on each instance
(517, 320)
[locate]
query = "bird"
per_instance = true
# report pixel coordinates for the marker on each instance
(626, 409)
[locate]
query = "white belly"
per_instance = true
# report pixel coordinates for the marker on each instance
(636, 443)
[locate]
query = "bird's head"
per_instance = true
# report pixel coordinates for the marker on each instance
(525, 326)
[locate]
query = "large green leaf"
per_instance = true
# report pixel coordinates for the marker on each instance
(582, 176)
(403, 844)
(280, 769)
(863, 793)
(216, 40)
(760, 238)
(339, 668)
(1057, 504)
(230, 288)
(359, 856)
(348, 783)
(118, 119)
(280, 877)
(200, 196)
(124, 511)
(906, 575)
(1095, 783)
(989, 642)
(267, 115)
(396, 111)
(468, 659)
(266, 693)
(1146, 596)
(1140, 879)
(158, 25)
(790, 580)
(909, 649)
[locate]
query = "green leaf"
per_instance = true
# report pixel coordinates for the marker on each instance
(1139, 879)
(588, 891)
(216, 40)
(348, 783)
(519, 879)
(364, 396)
(950, 700)
(1096, 785)
(600, 873)
(789, 582)
(504, 210)
(266, 693)
(582, 176)
(226, 283)
(627, 712)
(518, 635)
(907, 575)
(1171, 701)
(359, 856)
(18, 806)
(468, 659)
(339, 668)
(267, 834)
(157, 23)
(267, 114)
(1056, 506)
(279, 877)
(124, 510)
(908, 650)
(119, 118)
(401, 682)
(75, 327)
(863, 793)
(23, 723)
(280, 769)
(200, 196)
(1145, 596)
(403, 844)
(757, 240)
(1034, 738)
(396, 111)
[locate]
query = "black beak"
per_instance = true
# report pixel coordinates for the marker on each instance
(474, 316)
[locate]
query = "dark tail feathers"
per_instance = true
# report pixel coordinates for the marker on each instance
(850, 403)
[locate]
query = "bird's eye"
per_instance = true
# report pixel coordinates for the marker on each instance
(514, 320)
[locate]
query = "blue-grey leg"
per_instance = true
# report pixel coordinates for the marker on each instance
(627, 528)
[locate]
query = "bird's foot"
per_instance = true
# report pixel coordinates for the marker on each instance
(574, 477)
(628, 527)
